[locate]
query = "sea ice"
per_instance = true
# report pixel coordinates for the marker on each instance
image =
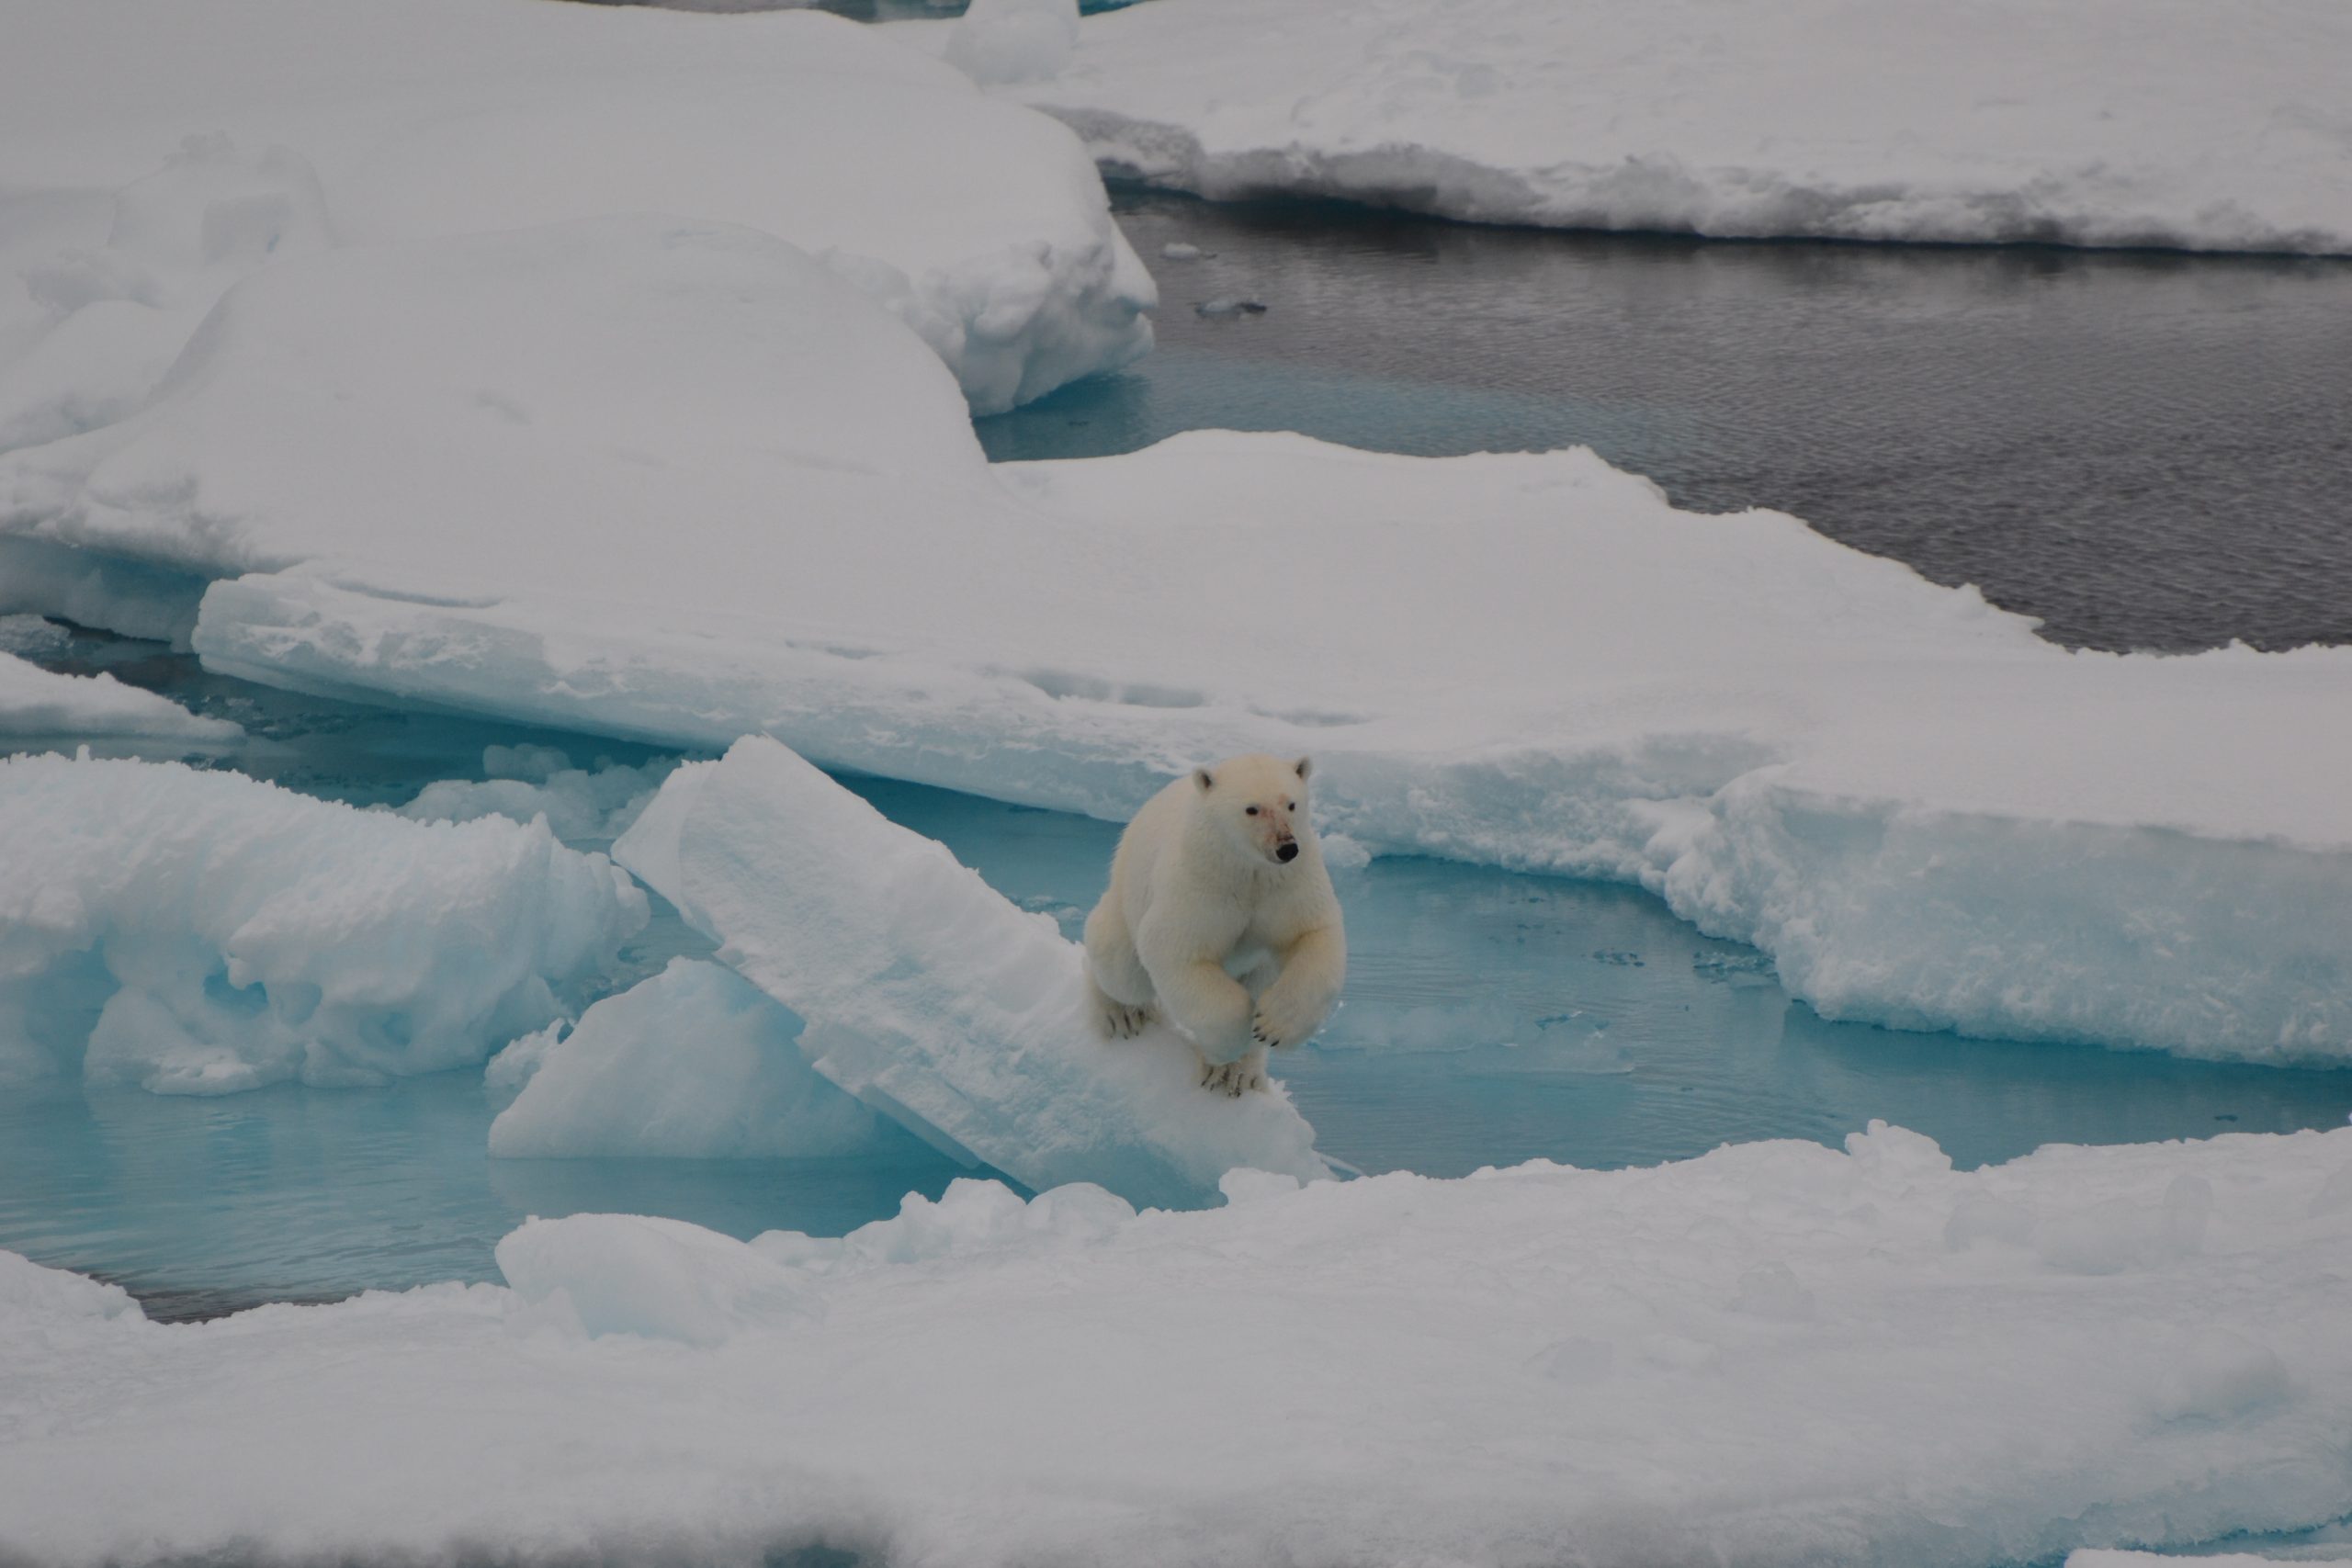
(38, 704)
(197, 933)
(932, 999)
(1769, 1356)
(735, 498)
(583, 807)
(696, 1063)
(122, 311)
(2102, 123)
(981, 222)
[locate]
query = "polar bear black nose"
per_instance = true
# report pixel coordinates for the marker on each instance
(1287, 853)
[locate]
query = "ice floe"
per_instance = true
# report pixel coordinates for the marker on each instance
(196, 932)
(42, 705)
(931, 997)
(696, 1063)
(982, 223)
(1778, 1354)
(2095, 124)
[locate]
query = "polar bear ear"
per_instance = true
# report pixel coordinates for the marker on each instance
(1305, 766)
(1202, 779)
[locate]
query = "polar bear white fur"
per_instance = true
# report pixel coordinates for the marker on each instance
(1220, 918)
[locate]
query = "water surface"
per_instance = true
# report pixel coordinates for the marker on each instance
(2145, 449)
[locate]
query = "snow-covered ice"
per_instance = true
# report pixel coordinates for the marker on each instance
(1778, 1354)
(997, 42)
(981, 223)
(429, 408)
(683, 484)
(121, 310)
(696, 1063)
(38, 704)
(1928, 815)
(197, 933)
(932, 999)
(2104, 122)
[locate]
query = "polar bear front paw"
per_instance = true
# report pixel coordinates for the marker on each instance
(1280, 1021)
(1233, 1079)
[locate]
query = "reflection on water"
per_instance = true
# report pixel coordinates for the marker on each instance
(2147, 450)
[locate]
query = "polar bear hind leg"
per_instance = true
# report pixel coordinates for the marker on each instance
(1118, 991)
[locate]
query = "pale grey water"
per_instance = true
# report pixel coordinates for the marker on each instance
(2145, 449)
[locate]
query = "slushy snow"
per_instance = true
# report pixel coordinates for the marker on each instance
(1778, 1354)
(195, 933)
(696, 1063)
(2177, 123)
(982, 224)
(38, 704)
(930, 997)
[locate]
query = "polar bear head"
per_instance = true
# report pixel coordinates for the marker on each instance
(1257, 805)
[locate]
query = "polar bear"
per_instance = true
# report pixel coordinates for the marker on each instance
(1220, 918)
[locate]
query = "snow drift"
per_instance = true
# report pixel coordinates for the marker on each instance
(930, 997)
(199, 932)
(980, 223)
(1778, 1354)
(2176, 123)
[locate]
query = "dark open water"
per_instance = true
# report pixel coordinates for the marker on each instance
(2145, 449)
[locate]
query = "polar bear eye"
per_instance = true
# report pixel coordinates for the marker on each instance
(1253, 811)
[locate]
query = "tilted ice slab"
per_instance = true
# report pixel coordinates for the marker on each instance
(1778, 1354)
(38, 704)
(980, 223)
(2110, 122)
(199, 932)
(931, 997)
(696, 1063)
(684, 485)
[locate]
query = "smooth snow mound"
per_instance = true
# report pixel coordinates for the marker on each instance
(932, 999)
(2182, 123)
(696, 1063)
(980, 223)
(41, 704)
(996, 41)
(1779, 1354)
(198, 932)
(434, 410)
